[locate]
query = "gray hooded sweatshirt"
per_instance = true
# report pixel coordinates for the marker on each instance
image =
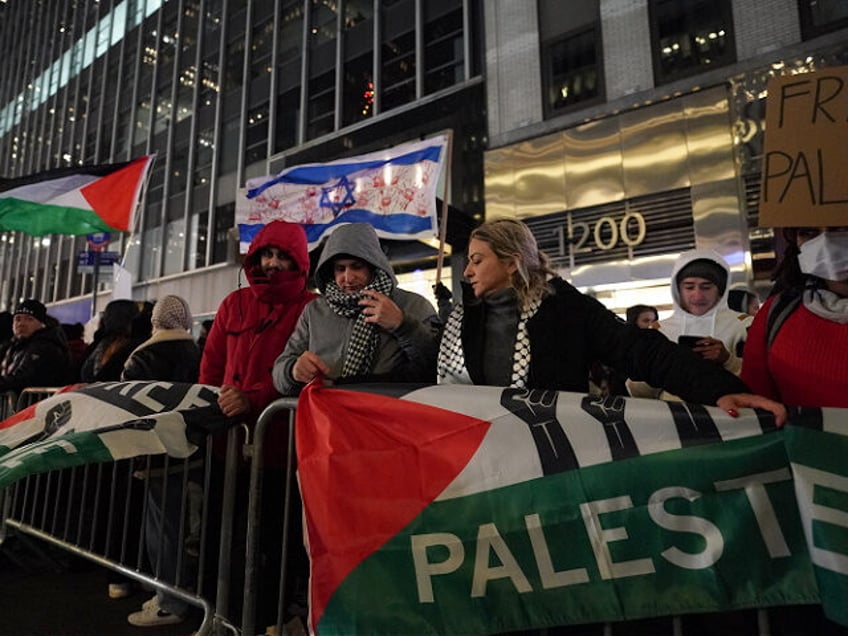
(408, 354)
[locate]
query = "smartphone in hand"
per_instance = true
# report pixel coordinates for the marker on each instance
(690, 342)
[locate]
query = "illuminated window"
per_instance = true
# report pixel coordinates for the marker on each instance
(571, 55)
(690, 37)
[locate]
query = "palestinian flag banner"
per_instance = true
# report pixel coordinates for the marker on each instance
(477, 510)
(74, 201)
(107, 421)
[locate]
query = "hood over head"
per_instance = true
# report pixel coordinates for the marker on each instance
(290, 238)
(707, 264)
(354, 240)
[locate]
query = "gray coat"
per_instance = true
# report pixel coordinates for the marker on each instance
(408, 354)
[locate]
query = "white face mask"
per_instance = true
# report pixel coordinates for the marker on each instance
(826, 256)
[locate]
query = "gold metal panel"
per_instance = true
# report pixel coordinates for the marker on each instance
(708, 135)
(539, 172)
(499, 181)
(593, 164)
(653, 146)
(719, 224)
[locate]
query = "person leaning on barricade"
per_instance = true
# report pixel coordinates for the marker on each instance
(169, 355)
(521, 326)
(363, 328)
(37, 355)
(249, 331)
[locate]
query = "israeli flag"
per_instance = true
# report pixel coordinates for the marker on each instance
(393, 190)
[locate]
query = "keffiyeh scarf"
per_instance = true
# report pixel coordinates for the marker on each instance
(364, 338)
(451, 363)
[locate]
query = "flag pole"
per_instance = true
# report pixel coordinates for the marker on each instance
(443, 225)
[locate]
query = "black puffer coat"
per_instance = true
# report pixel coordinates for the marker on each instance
(41, 360)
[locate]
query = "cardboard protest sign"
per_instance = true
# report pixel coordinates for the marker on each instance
(804, 176)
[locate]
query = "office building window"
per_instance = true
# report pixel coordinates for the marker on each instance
(444, 57)
(571, 55)
(398, 54)
(690, 37)
(822, 16)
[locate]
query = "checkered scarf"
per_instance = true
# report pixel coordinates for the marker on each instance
(364, 338)
(451, 363)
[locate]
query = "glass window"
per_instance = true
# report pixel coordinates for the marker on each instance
(571, 54)
(690, 37)
(288, 112)
(358, 99)
(257, 135)
(225, 216)
(398, 54)
(261, 44)
(321, 105)
(572, 70)
(443, 52)
(822, 16)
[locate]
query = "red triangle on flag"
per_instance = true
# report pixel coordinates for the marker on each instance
(113, 197)
(368, 465)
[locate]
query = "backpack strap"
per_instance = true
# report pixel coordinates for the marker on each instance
(786, 302)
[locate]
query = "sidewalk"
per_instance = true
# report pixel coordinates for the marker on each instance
(69, 598)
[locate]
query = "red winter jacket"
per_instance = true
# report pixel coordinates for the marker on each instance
(253, 324)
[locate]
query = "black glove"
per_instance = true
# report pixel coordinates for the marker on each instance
(442, 292)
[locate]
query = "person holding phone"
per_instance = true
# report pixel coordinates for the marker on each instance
(702, 320)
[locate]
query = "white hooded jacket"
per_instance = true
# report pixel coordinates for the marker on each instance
(720, 322)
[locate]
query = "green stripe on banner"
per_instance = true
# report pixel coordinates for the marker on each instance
(39, 219)
(73, 449)
(821, 482)
(706, 528)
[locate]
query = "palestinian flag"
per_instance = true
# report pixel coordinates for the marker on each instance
(74, 201)
(478, 510)
(107, 421)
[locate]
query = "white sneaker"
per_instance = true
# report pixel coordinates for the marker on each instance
(151, 615)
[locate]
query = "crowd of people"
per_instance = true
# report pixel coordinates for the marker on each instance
(517, 325)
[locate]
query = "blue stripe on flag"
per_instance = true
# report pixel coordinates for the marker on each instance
(387, 224)
(317, 174)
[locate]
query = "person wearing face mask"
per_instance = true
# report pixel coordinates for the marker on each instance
(797, 349)
(521, 326)
(363, 327)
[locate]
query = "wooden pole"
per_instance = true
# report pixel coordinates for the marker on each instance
(443, 226)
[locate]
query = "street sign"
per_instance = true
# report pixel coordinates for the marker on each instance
(85, 261)
(97, 242)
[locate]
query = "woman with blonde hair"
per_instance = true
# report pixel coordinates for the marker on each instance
(521, 326)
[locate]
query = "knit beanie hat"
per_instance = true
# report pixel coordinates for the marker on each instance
(33, 308)
(707, 269)
(171, 312)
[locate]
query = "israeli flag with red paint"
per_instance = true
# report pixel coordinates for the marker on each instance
(393, 190)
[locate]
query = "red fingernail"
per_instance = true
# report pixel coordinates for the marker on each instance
(733, 412)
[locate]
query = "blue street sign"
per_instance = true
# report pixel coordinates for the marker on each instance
(98, 241)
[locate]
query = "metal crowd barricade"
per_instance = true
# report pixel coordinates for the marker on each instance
(8, 399)
(267, 418)
(100, 512)
(31, 395)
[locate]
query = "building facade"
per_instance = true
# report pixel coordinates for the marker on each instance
(627, 131)
(622, 131)
(221, 91)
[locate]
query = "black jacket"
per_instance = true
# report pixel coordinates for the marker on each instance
(571, 330)
(41, 360)
(165, 360)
